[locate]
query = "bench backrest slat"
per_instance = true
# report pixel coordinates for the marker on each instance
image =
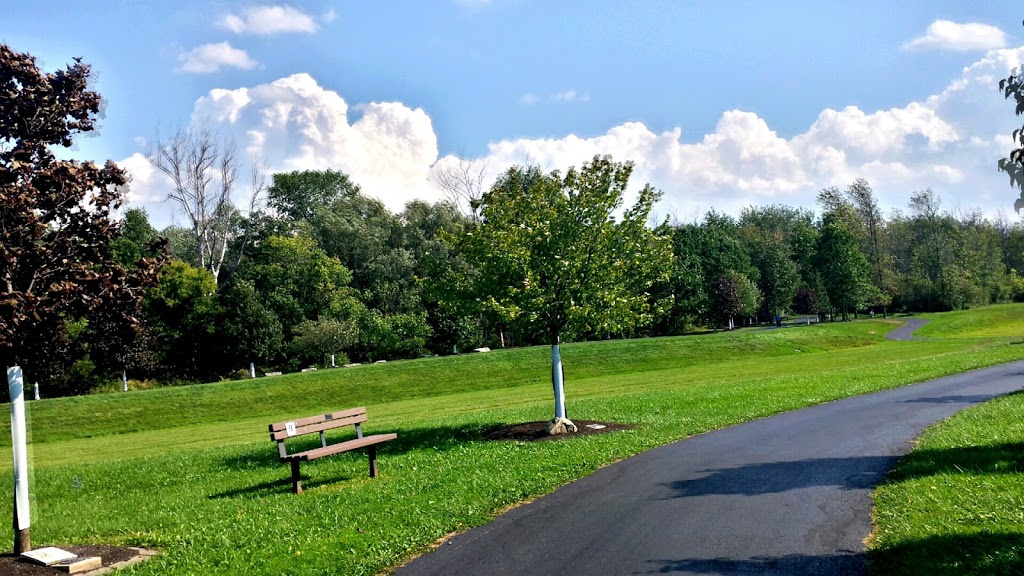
(279, 430)
(277, 426)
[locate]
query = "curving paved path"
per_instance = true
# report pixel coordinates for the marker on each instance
(788, 494)
(906, 332)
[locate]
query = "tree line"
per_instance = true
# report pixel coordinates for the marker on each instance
(327, 270)
(312, 269)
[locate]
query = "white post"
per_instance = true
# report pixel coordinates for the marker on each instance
(37, 390)
(556, 378)
(16, 385)
(124, 381)
(252, 369)
(332, 361)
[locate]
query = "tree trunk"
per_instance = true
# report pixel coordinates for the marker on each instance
(557, 382)
(559, 424)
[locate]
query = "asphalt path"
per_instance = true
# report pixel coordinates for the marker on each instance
(788, 494)
(906, 332)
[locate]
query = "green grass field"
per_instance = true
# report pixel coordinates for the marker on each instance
(190, 471)
(956, 504)
(1006, 320)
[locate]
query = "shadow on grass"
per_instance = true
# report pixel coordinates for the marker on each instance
(282, 486)
(972, 551)
(834, 564)
(992, 459)
(989, 553)
(774, 477)
(438, 438)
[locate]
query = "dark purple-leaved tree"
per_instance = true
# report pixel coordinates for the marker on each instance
(57, 221)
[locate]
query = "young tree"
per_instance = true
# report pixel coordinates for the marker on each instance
(725, 301)
(297, 195)
(137, 238)
(750, 295)
(778, 273)
(57, 219)
(553, 255)
(182, 313)
(844, 271)
(317, 340)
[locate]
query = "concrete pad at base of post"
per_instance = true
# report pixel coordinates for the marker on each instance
(79, 565)
(561, 426)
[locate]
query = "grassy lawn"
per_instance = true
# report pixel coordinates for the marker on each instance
(955, 505)
(1006, 320)
(190, 471)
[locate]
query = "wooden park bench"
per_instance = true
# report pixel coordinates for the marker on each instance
(353, 417)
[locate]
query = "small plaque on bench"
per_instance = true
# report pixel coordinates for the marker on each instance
(289, 428)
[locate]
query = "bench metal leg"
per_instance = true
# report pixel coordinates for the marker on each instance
(372, 450)
(296, 479)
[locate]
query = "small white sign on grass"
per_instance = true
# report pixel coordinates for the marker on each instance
(48, 556)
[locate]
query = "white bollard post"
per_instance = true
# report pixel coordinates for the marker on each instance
(332, 361)
(252, 369)
(124, 381)
(19, 440)
(556, 367)
(37, 390)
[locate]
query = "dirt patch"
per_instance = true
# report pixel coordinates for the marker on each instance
(538, 431)
(113, 557)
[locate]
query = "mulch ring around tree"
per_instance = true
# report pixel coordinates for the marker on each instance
(538, 431)
(113, 557)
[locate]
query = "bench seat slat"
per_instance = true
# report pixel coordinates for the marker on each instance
(340, 447)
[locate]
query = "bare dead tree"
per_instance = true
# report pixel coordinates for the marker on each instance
(258, 185)
(463, 181)
(203, 167)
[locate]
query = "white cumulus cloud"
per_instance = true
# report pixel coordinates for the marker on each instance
(271, 20)
(209, 58)
(949, 141)
(946, 35)
(295, 124)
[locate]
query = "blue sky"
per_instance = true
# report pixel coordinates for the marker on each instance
(720, 104)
